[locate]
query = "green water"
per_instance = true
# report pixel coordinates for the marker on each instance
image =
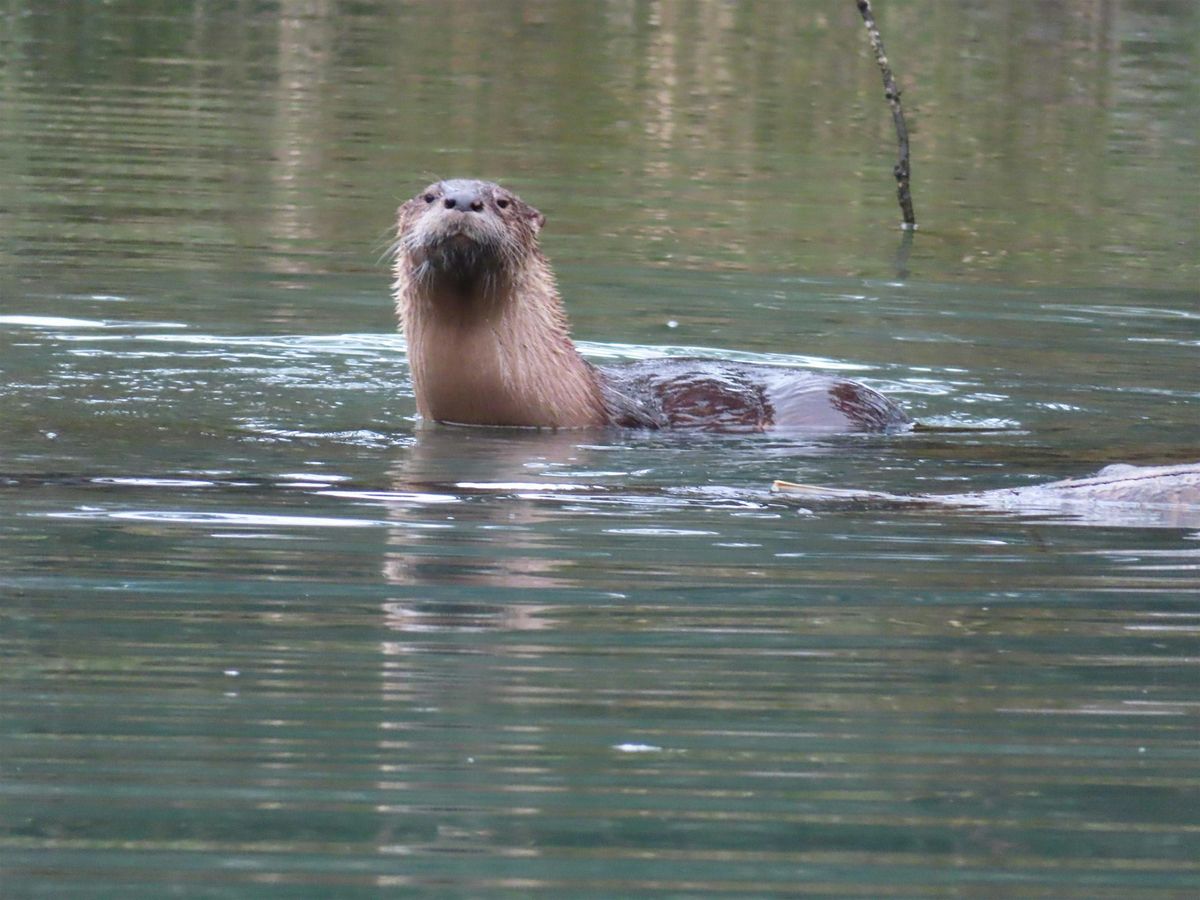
(263, 635)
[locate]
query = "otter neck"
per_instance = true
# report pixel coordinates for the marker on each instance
(495, 350)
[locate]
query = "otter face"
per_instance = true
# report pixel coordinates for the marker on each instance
(463, 230)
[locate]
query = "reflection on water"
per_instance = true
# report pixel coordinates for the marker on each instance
(1053, 142)
(262, 635)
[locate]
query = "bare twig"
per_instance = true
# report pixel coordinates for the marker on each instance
(901, 169)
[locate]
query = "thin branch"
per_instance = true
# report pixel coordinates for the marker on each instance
(902, 171)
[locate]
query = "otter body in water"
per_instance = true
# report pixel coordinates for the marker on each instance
(489, 344)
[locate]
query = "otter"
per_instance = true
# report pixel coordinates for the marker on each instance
(489, 342)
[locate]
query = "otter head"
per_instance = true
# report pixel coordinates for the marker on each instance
(463, 234)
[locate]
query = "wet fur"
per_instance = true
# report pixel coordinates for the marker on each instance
(488, 337)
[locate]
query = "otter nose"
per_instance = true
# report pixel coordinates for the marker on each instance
(464, 201)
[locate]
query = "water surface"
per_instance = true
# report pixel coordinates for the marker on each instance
(262, 634)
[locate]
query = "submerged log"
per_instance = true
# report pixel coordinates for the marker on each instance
(1117, 495)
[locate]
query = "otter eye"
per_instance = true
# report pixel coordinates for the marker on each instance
(502, 203)
(429, 198)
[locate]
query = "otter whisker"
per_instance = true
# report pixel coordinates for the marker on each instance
(386, 243)
(388, 254)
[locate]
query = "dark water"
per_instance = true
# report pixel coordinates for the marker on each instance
(261, 635)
